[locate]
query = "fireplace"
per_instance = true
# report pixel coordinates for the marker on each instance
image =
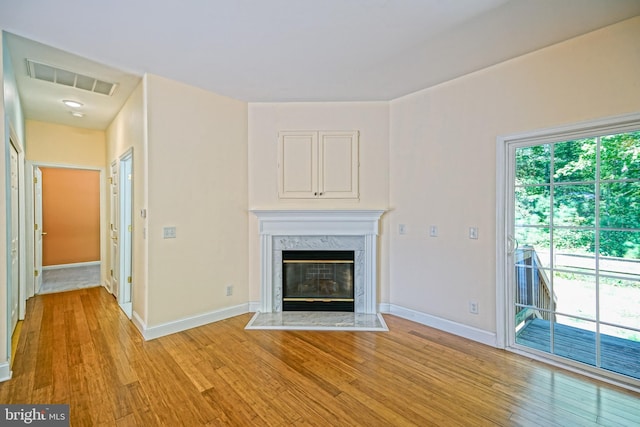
(354, 231)
(317, 280)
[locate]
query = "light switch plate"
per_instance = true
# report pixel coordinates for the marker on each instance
(473, 233)
(169, 232)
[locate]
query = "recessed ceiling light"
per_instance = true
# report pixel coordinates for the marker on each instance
(72, 104)
(77, 114)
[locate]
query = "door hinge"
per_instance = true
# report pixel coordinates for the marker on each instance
(130, 228)
(129, 279)
(111, 273)
(36, 227)
(35, 180)
(110, 180)
(35, 273)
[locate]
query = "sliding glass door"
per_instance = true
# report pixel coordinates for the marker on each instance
(574, 228)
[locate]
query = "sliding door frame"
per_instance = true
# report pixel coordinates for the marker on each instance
(505, 242)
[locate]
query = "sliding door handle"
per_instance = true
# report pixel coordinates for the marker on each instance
(512, 244)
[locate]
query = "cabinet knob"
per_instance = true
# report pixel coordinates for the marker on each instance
(315, 194)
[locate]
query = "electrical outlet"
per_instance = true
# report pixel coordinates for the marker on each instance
(229, 290)
(473, 307)
(433, 231)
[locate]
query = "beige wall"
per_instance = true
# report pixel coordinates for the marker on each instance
(54, 143)
(443, 167)
(128, 132)
(197, 182)
(266, 119)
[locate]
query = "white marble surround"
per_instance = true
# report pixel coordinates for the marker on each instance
(355, 230)
(318, 321)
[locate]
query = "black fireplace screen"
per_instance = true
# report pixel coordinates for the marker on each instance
(318, 277)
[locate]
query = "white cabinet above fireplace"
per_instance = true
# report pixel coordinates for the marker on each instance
(318, 164)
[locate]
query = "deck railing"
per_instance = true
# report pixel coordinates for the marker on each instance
(533, 293)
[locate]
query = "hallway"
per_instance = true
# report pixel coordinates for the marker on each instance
(69, 278)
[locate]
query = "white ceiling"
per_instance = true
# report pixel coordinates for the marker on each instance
(282, 50)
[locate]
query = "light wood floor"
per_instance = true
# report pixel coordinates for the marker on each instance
(78, 348)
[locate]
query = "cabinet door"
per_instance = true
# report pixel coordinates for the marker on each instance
(338, 165)
(298, 164)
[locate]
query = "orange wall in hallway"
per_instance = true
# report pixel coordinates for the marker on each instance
(70, 216)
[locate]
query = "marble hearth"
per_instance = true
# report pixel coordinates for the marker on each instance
(355, 230)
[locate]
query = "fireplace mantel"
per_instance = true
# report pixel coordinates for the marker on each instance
(318, 229)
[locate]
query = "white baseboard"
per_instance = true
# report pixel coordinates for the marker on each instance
(138, 323)
(77, 264)
(127, 308)
(465, 331)
(153, 332)
(5, 371)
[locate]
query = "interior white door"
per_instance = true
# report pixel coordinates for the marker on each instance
(15, 239)
(38, 232)
(114, 229)
(126, 231)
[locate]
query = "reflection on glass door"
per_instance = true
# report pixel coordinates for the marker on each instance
(576, 224)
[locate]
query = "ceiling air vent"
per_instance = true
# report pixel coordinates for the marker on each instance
(59, 76)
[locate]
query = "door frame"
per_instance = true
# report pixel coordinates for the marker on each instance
(37, 219)
(113, 249)
(30, 211)
(125, 247)
(14, 208)
(505, 246)
(15, 142)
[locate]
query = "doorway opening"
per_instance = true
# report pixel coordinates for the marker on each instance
(67, 225)
(122, 230)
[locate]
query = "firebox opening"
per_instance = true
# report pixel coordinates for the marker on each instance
(317, 280)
